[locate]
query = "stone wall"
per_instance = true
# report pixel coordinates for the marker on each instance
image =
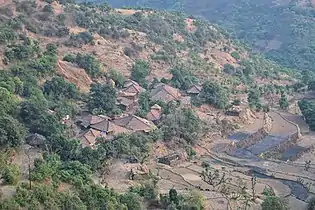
(257, 136)
(289, 142)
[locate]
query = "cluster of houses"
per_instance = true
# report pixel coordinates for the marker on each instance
(95, 127)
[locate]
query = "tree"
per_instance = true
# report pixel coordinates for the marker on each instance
(117, 77)
(308, 110)
(140, 70)
(182, 78)
(254, 98)
(183, 124)
(58, 87)
(8, 102)
(102, 99)
(12, 133)
(311, 204)
(274, 203)
(131, 200)
(214, 94)
(284, 104)
(10, 174)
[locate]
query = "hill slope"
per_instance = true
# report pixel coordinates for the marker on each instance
(280, 29)
(65, 66)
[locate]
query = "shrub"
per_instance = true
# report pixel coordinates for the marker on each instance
(10, 174)
(235, 55)
(215, 94)
(274, 203)
(140, 70)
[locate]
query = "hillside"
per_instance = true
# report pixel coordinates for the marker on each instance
(280, 29)
(94, 101)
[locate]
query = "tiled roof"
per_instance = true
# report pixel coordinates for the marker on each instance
(89, 137)
(165, 93)
(134, 123)
(109, 127)
(195, 89)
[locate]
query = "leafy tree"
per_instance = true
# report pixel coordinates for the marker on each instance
(254, 98)
(144, 104)
(34, 115)
(311, 204)
(235, 55)
(308, 110)
(132, 201)
(182, 124)
(8, 102)
(228, 68)
(102, 99)
(88, 62)
(147, 190)
(10, 174)
(12, 133)
(58, 87)
(274, 203)
(284, 104)
(7, 35)
(140, 70)
(117, 77)
(182, 78)
(215, 94)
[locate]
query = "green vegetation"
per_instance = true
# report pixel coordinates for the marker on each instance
(254, 99)
(284, 104)
(308, 110)
(117, 77)
(140, 70)
(275, 203)
(12, 133)
(59, 88)
(182, 124)
(182, 78)
(214, 94)
(102, 99)
(88, 62)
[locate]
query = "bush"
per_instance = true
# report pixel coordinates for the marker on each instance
(140, 70)
(58, 87)
(102, 99)
(274, 203)
(12, 133)
(117, 77)
(182, 78)
(182, 124)
(10, 174)
(214, 94)
(311, 204)
(236, 55)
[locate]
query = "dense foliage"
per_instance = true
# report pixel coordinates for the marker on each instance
(308, 110)
(214, 94)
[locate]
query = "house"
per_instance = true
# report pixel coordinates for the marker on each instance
(131, 90)
(85, 120)
(134, 123)
(172, 159)
(89, 138)
(194, 90)
(125, 103)
(165, 93)
(109, 128)
(155, 113)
